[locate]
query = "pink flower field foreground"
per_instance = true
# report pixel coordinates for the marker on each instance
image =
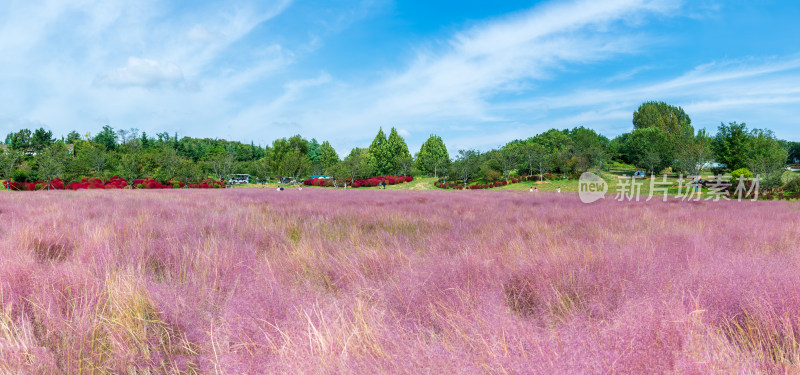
(250, 281)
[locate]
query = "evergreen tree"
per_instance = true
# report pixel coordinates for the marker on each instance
(397, 150)
(73, 137)
(313, 151)
(20, 140)
(41, 139)
(379, 156)
(314, 156)
(107, 137)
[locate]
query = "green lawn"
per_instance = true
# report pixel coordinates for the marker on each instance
(613, 175)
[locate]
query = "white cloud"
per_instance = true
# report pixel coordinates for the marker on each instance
(144, 73)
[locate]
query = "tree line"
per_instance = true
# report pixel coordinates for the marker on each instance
(662, 140)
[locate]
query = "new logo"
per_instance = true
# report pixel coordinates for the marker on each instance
(591, 187)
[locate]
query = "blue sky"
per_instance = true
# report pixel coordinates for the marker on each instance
(477, 73)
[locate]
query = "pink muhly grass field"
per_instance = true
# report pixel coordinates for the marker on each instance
(246, 281)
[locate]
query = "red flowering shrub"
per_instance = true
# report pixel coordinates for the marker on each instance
(115, 182)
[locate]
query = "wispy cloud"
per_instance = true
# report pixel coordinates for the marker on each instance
(454, 81)
(735, 90)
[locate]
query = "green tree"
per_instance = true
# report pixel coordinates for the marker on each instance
(9, 160)
(41, 139)
(145, 141)
(693, 151)
(674, 123)
(221, 164)
(299, 143)
(163, 138)
(402, 164)
(507, 159)
(95, 156)
(20, 140)
(264, 168)
(356, 164)
(466, 165)
(535, 156)
(328, 157)
(281, 147)
(588, 148)
(337, 172)
(295, 163)
(766, 157)
(107, 137)
(648, 149)
(169, 163)
(130, 167)
(432, 156)
(794, 152)
(314, 155)
(558, 145)
(397, 151)
(379, 155)
(188, 171)
(670, 119)
(730, 145)
(73, 137)
(53, 161)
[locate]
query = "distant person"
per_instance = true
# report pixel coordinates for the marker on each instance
(531, 189)
(558, 189)
(536, 190)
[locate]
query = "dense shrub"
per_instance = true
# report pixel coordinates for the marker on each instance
(792, 186)
(493, 176)
(742, 172)
(20, 176)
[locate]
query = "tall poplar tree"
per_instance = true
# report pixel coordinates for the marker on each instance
(379, 156)
(397, 150)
